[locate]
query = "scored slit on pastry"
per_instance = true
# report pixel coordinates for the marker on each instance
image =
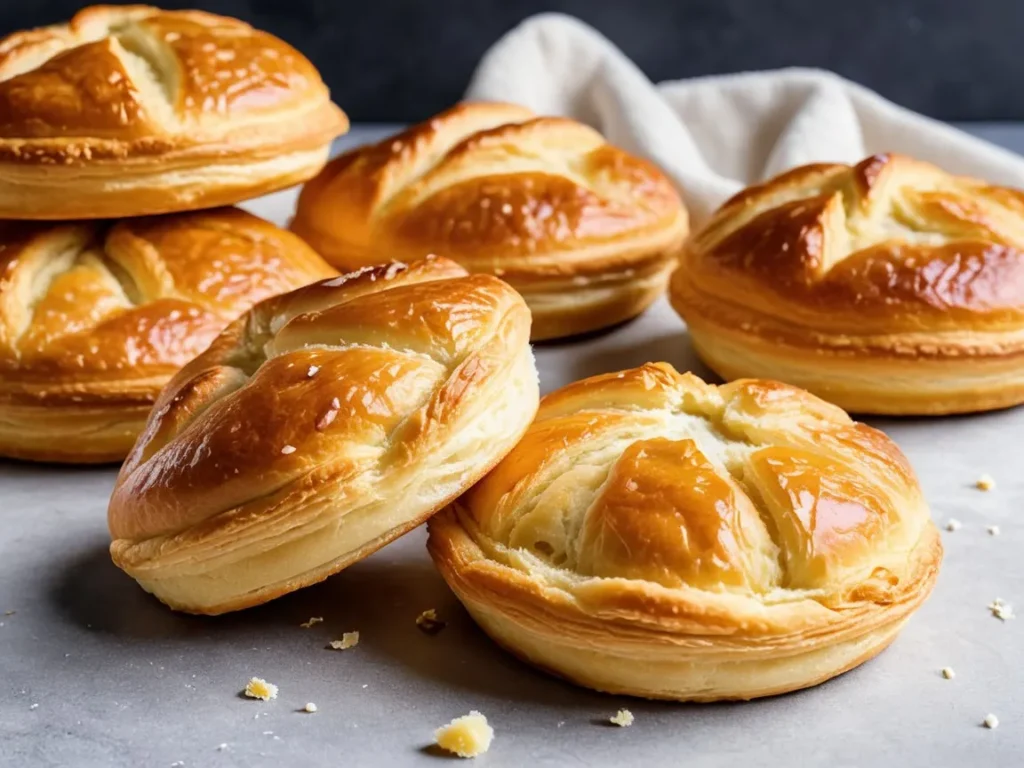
(691, 542)
(584, 231)
(95, 317)
(319, 427)
(136, 110)
(885, 287)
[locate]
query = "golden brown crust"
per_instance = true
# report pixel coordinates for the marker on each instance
(693, 542)
(889, 286)
(130, 110)
(586, 232)
(95, 317)
(320, 426)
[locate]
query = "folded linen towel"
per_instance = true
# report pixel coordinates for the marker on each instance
(715, 135)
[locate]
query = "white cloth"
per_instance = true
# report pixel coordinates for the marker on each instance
(715, 135)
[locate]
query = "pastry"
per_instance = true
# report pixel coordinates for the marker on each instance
(885, 287)
(95, 317)
(132, 110)
(318, 428)
(585, 232)
(657, 536)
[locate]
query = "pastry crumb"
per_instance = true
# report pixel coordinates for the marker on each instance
(985, 483)
(312, 370)
(429, 623)
(310, 707)
(258, 688)
(991, 721)
(993, 530)
(466, 736)
(222, 747)
(178, 764)
(33, 706)
(1001, 609)
(948, 673)
(312, 620)
(953, 524)
(9, 613)
(348, 640)
(623, 718)
(288, 449)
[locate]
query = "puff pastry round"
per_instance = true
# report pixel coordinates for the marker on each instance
(320, 427)
(132, 110)
(885, 287)
(657, 536)
(585, 232)
(95, 318)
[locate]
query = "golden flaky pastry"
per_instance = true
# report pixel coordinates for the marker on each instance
(585, 232)
(131, 110)
(318, 428)
(95, 318)
(658, 536)
(885, 287)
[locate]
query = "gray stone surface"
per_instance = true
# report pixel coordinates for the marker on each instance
(121, 681)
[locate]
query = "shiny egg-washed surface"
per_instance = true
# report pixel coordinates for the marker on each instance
(889, 269)
(95, 317)
(136, 96)
(747, 539)
(585, 231)
(320, 426)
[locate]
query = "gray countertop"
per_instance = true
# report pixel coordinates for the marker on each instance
(93, 672)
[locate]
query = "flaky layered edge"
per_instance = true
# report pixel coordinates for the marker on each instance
(569, 293)
(135, 189)
(901, 373)
(96, 423)
(639, 638)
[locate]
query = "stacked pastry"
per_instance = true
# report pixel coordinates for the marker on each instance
(115, 130)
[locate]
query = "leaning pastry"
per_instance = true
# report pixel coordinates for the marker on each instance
(131, 110)
(587, 233)
(658, 536)
(318, 428)
(95, 318)
(885, 287)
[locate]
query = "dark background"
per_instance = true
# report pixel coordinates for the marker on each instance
(402, 60)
